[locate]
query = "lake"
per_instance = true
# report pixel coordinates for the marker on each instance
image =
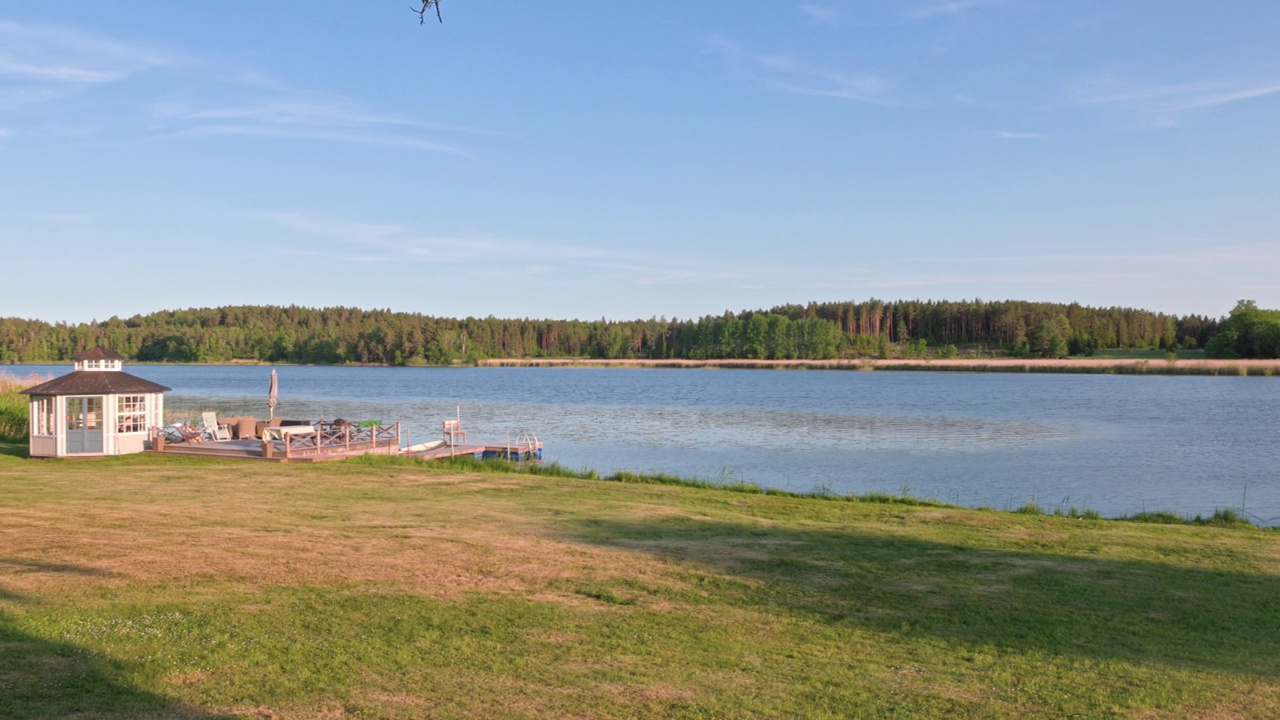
(1118, 444)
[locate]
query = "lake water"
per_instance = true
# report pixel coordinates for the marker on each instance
(1118, 444)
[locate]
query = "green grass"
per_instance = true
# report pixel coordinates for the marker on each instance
(149, 587)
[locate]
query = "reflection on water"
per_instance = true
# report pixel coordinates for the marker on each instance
(1116, 444)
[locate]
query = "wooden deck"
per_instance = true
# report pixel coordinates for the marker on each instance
(253, 450)
(339, 441)
(328, 441)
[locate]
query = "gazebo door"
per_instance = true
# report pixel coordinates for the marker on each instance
(84, 424)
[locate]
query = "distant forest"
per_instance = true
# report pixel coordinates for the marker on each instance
(815, 331)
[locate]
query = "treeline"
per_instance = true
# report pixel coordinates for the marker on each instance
(1247, 333)
(814, 331)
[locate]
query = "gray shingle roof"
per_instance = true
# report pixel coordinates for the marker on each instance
(92, 382)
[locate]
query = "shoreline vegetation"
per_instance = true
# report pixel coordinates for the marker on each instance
(1094, 365)
(150, 586)
(1123, 366)
(1222, 517)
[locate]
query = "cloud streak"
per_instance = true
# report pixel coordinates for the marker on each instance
(47, 64)
(1165, 103)
(820, 14)
(955, 7)
(787, 73)
(1013, 135)
(60, 55)
(381, 242)
(316, 118)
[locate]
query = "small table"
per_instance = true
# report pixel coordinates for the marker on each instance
(279, 433)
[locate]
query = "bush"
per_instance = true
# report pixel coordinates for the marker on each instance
(13, 406)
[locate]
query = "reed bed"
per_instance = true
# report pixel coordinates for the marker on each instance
(13, 405)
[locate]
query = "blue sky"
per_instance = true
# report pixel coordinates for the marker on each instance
(631, 160)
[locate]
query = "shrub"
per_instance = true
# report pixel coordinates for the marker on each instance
(13, 406)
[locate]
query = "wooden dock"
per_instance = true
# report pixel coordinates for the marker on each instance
(529, 450)
(329, 442)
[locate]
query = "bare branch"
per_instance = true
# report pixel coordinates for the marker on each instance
(427, 5)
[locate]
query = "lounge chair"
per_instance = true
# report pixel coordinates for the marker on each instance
(188, 433)
(212, 428)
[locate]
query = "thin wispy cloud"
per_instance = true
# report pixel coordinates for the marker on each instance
(327, 120)
(954, 7)
(61, 55)
(820, 14)
(381, 242)
(1014, 135)
(291, 107)
(395, 242)
(373, 140)
(249, 103)
(1163, 104)
(788, 73)
(47, 64)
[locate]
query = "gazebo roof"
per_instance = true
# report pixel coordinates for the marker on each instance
(82, 382)
(98, 354)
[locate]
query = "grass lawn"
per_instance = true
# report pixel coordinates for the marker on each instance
(154, 587)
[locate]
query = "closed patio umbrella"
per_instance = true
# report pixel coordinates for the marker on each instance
(272, 392)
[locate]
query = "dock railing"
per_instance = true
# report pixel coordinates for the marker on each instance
(333, 438)
(526, 444)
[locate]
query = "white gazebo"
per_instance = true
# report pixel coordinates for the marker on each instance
(98, 409)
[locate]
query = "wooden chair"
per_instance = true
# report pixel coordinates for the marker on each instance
(452, 432)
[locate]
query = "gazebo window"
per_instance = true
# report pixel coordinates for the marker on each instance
(45, 423)
(131, 413)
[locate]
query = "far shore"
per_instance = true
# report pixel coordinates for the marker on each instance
(1066, 365)
(1094, 365)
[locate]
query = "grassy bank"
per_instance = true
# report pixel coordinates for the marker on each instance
(148, 587)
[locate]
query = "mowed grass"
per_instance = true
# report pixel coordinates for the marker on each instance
(153, 587)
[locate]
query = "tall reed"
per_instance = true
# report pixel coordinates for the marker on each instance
(13, 405)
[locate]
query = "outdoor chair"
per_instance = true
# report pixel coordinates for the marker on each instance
(452, 432)
(261, 427)
(188, 433)
(212, 428)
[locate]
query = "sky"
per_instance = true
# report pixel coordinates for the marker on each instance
(584, 159)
